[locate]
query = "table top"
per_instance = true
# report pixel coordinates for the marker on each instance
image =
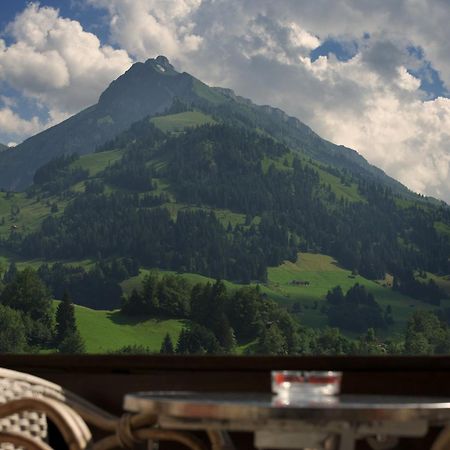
(260, 407)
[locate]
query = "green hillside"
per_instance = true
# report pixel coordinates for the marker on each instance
(443, 229)
(96, 162)
(18, 212)
(178, 122)
(323, 274)
(347, 191)
(136, 282)
(30, 212)
(321, 271)
(212, 95)
(343, 189)
(108, 331)
(442, 281)
(24, 213)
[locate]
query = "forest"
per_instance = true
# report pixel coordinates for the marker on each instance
(218, 320)
(228, 201)
(210, 167)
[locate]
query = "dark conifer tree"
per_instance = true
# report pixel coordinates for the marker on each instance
(72, 343)
(182, 343)
(134, 304)
(167, 345)
(223, 332)
(11, 273)
(65, 319)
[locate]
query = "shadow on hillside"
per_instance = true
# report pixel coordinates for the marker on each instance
(121, 319)
(336, 264)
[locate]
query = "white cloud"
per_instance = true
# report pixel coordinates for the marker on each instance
(12, 124)
(409, 139)
(31, 71)
(406, 80)
(147, 28)
(284, 42)
(55, 62)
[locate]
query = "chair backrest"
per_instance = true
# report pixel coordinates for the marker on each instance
(16, 385)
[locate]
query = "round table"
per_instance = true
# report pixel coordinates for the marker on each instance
(295, 423)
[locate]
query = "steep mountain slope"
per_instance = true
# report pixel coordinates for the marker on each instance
(297, 135)
(150, 88)
(145, 89)
(3, 147)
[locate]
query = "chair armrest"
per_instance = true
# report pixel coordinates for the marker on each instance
(72, 427)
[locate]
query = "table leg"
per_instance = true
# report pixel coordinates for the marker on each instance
(382, 442)
(220, 440)
(347, 440)
(296, 440)
(443, 440)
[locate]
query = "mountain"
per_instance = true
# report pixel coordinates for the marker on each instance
(169, 146)
(205, 184)
(3, 147)
(150, 88)
(145, 89)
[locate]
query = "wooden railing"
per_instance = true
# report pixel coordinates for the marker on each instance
(105, 379)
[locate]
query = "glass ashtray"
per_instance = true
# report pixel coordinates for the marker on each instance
(305, 384)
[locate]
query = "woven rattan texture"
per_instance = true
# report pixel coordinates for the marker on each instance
(30, 423)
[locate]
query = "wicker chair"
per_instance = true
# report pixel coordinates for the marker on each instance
(26, 401)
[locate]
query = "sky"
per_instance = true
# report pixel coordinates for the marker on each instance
(371, 75)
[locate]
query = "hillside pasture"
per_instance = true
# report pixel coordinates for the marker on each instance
(17, 212)
(174, 123)
(307, 282)
(96, 162)
(323, 273)
(109, 331)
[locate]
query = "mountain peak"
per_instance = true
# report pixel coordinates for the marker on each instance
(162, 64)
(149, 88)
(145, 89)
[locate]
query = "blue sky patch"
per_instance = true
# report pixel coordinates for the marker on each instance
(430, 81)
(343, 50)
(90, 18)
(26, 107)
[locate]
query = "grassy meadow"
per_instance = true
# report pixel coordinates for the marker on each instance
(174, 123)
(109, 331)
(96, 162)
(323, 273)
(21, 213)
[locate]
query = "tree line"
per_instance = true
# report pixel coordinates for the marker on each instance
(356, 310)
(219, 317)
(28, 322)
(218, 320)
